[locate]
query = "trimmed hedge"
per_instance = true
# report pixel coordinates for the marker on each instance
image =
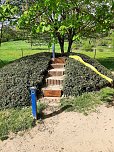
(17, 77)
(80, 79)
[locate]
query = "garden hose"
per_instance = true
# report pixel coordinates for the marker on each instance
(78, 58)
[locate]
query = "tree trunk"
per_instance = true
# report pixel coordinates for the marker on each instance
(27, 5)
(61, 43)
(95, 53)
(95, 48)
(71, 34)
(31, 42)
(1, 34)
(70, 41)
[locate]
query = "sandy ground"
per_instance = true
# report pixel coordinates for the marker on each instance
(68, 132)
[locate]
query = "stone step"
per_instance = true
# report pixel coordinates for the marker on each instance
(56, 72)
(54, 80)
(52, 91)
(52, 104)
(57, 65)
(50, 99)
(58, 60)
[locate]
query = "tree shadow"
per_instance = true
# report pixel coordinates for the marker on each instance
(107, 62)
(44, 116)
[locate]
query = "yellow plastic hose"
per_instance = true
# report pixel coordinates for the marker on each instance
(78, 58)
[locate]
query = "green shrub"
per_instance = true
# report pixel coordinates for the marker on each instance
(9, 34)
(80, 79)
(87, 45)
(40, 107)
(17, 77)
(103, 43)
(112, 42)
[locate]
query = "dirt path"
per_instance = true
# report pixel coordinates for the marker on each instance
(68, 132)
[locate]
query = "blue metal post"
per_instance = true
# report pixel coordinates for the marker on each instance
(33, 102)
(53, 50)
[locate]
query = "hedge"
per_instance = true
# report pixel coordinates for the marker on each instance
(17, 77)
(80, 79)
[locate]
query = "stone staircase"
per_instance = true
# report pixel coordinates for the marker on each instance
(52, 91)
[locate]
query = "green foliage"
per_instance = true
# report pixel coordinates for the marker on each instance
(14, 120)
(38, 39)
(80, 79)
(17, 77)
(112, 38)
(87, 45)
(11, 34)
(40, 107)
(103, 42)
(88, 102)
(106, 94)
(7, 11)
(71, 19)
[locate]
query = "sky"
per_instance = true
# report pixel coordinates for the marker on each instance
(2, 1)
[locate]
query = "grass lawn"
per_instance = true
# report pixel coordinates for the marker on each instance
(106, 58)
(10, 51)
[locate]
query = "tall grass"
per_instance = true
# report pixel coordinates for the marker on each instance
(14, 120)
(88, 102)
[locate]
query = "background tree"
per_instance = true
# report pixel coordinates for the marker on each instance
(69, 19)
(7, 14)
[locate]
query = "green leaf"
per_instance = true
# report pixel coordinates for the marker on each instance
(76, 37)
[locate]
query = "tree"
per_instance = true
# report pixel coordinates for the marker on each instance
(7, 12)
(68, 19)
(23, 5)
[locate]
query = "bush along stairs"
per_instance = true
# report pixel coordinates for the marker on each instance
(53, 90)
